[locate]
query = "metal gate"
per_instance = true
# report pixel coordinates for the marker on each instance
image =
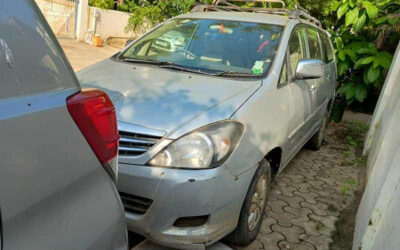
(61, 16)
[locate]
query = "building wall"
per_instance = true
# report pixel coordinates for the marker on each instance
(60, 14)
(111, 23)
(378, 220)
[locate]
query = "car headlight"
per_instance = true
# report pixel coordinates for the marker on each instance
(206, 147)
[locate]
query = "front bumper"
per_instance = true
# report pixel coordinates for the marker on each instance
(177, 193)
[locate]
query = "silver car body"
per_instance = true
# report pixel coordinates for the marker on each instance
(278, 120)
(54, 193)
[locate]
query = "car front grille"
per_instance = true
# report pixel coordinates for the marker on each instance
(134, 144)
(135, 204)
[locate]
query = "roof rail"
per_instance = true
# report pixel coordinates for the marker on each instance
(302, 13)
(228, 5)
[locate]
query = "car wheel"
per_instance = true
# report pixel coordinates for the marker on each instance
(253, 208)
(317, 140)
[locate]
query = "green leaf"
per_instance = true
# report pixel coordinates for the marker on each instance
(342, 55)
(364, 51)
(360, 22)
(385, 59)
(343, 67)
(339, 43)
(348, 90)
(352, 3)
(356, 45)
(381, 20)
(373, 73)
(372, 48)
(377, 62)
(344, 88)
(367, 60)
(342, 10)
(351, 54)
(336, 5)
(392, 20)
(361, 92)
(372, 10)
(365, 77)
(352, 16)
(350, 93)
(358, 64)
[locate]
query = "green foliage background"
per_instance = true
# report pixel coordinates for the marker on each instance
(365, 34)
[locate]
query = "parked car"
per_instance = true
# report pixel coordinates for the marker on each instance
(203, 128)
(58, 145)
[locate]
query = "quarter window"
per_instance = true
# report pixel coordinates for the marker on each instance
(328, 52)
(314, 44)
(296, 48)
(284, 73)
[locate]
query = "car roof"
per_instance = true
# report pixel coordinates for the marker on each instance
(240, 16)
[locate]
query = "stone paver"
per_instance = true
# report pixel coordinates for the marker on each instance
(307, 198)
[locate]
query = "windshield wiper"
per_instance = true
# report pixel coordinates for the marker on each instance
(144, 61)
(170, 65)
(236, 74)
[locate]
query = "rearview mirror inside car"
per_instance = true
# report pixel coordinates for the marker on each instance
(128, 42)
(309, 69)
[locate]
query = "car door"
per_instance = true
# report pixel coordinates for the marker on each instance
(300, 95)
(319, 87)
(330, 74)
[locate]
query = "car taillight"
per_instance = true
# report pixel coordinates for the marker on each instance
(94, 114)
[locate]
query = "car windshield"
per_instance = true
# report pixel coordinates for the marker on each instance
(213, 46)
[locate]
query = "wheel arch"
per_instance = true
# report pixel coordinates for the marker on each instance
(274, 157)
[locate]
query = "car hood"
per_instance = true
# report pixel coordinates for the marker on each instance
(165, 99)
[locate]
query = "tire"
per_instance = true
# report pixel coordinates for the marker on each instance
(315, 143)
(246, 230)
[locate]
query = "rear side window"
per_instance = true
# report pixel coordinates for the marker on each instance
(326, 44)
(314, 44)
(296, 48)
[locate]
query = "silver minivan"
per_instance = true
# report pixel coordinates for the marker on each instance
(58, 145)
(210, 105)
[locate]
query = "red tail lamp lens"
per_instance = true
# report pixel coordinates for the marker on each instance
(94, 114)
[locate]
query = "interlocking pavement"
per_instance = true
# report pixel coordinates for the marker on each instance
(307, 197)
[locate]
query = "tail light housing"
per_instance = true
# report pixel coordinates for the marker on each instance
(94, 114)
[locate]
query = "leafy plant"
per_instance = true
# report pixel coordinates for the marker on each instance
(360, 37)
(155, 11)
(104, 4)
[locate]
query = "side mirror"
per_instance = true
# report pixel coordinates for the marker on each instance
(128, 42)
(309, 69)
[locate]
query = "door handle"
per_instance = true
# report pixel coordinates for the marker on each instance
(329, 77)
(313, 88)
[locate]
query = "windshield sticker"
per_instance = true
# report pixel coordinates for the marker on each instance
(258, 67)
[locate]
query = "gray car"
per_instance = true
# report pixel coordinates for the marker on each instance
(58, 145)
(206, 124)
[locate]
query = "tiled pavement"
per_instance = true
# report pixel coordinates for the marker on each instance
(306, 198)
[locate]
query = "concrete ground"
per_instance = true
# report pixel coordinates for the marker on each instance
(307, 198)
(81, 55)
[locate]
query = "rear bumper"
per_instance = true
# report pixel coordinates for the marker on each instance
(175, 193)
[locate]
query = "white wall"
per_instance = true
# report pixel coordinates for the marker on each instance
(111, 23)
(378, 217)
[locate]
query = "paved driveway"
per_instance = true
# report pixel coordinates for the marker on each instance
(306, 199)
(81, 55)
